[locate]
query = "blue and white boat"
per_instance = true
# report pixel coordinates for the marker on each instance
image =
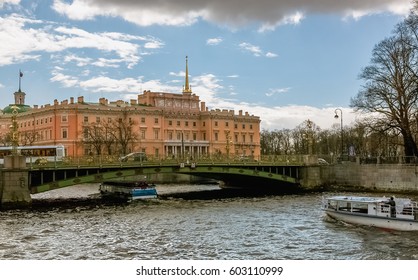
(382, 212)
(127, 190)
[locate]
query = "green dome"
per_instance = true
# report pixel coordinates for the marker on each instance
(21, 108)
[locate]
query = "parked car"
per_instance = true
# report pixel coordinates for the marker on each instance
(322, 161)
(137, 156)
(246, 158)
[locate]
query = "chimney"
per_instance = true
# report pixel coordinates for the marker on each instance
(202, 106)
(71, 100)
(240, 112)
(80, 99)
(55, 102)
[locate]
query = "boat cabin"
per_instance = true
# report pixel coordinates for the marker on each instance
(380, 207)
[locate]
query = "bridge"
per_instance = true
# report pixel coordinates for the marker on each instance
(43, 178)
(37, 177)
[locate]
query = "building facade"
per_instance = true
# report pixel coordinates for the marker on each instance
(160, 124)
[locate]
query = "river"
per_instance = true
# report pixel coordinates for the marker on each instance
(198, 226)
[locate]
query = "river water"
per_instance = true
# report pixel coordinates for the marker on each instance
(202, 226)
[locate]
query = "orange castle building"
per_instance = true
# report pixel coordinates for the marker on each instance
(160, 124)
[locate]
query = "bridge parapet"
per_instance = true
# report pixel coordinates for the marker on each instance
(111, 161)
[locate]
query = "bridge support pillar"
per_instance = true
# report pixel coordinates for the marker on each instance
(14, 190)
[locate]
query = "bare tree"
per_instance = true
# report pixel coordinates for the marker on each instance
(390, 90)
(123, 131)
(93, 136)
(29, 137)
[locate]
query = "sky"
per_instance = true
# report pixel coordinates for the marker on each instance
(286, 61)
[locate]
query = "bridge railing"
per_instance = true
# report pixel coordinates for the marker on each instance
(106, 160)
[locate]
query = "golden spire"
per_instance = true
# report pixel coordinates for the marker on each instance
(187, 88)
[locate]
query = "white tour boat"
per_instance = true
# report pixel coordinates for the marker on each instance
(127, 190)
(389, 213)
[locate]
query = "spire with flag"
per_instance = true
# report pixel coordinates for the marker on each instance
(20, 79)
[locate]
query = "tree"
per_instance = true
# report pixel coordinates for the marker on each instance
(390, 91)
(93, 136)
(30, 137)
(123, 132)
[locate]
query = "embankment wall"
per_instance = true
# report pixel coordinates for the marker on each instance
(366, 177)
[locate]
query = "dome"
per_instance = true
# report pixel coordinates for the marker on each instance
(21, 108)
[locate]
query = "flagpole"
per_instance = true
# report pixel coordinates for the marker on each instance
(20, 78)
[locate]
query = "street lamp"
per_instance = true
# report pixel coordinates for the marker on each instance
(342, 133)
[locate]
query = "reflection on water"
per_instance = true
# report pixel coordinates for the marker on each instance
(193, 227)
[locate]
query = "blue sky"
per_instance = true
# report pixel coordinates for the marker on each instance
(283, 60)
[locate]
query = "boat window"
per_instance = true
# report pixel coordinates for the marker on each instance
(360, 207)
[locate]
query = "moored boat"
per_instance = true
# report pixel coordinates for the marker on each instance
(127, 190)
(389, 213)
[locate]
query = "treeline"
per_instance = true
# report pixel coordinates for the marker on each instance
(359, 139)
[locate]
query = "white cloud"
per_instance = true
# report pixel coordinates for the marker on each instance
(255, 50)
(12, 2)
(269, 14)
(178, 74)
(214, 41)
(233, 76)
(274, 91)
(153, 45)
(65, 80)
(27, 39)
(143, 16)
(79, 10)
(288, 19)
(270, 54)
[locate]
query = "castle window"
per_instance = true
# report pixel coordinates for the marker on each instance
(64, 133)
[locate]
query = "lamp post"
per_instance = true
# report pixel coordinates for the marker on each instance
(342, 133)
(310, 142)
(14, 130)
